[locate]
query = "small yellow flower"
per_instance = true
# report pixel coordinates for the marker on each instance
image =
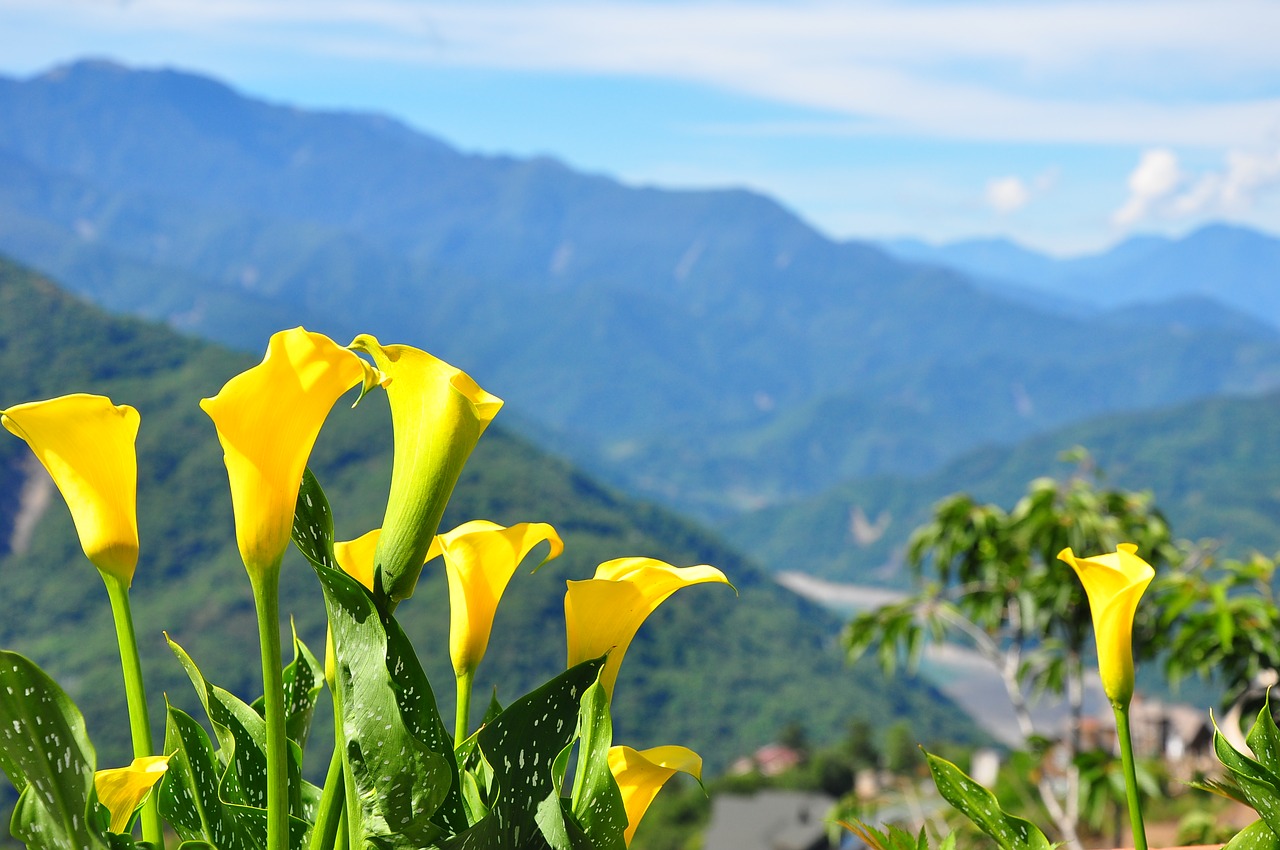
(1114, 583)
(87, 445)
(438, 414)
(268, 418)
(480, 557)
(123, 789)
(604, 613)
(641, 774)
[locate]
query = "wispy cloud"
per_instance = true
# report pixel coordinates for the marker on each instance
(1160, 188)
(1092, 72)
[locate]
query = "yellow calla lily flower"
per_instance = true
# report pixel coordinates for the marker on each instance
(480, 557)
(87, 445)
(641, 774)
(268, 418)
(355, 557)
(604, 613)
(123, 789)
(1114, 583)
(438, 414)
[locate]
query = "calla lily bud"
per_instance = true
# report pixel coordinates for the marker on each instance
(438, 414)
(87, 445)
(480, 557)
(641, 774)
(123, 789)
(1114, 583)
(603, 614)
(268, 418)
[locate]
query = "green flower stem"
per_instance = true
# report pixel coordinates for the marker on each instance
(463, 711)
(135, 696)
(266, 599)
(324, 833)
(1130, 776)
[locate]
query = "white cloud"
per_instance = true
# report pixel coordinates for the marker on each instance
(889, 67)
(1007, 194)
(1154, 180)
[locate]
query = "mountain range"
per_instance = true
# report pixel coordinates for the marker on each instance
(707, 349)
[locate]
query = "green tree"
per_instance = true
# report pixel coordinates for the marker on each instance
(991, 578)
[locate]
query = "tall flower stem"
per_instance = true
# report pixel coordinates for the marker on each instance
(1130, 776)
(135, 696)
(463, 711)
(266, 599)
(324, 833)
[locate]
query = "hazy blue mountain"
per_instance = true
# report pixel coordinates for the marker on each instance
(705, 347)
(1212, 465)
(1231, 264)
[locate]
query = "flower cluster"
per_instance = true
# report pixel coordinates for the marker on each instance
(397, 777)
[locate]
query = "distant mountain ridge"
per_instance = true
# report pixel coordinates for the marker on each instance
(1237, 266)
(705, 348)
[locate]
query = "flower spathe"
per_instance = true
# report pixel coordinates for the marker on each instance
(438, 414)
(1114, 583)
(603, 614)
(480, 557)
(87, 445)
(640, 775)
(268, 418)
(355, 557)
(122, 789)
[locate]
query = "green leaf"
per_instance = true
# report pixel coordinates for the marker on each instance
(1260, 786)
(1264, 738)
(189, 798)
(522, 746)
(597, 802)
(980, 806)
(303, 680)
(47, 753)
(1255, 836)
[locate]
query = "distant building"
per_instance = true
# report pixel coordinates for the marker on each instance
(769, 820)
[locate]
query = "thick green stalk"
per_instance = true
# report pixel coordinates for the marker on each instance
(135, 696)
(1130, 776)
(266, 598)
(324, 832)
(462, 713)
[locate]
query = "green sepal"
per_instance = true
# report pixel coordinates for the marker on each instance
(1255, 836)
(597, 802)
(981, 807)
(46, 752)
(522, 745)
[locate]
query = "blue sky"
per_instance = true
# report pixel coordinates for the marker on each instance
(1066, 126)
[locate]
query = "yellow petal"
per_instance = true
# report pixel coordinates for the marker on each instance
(356, 556)
(268, 419)
(641, 774)
(438, 414)
(87, 444)
(1114, 583)
(123, 789)
(480, 557)
(604, 613)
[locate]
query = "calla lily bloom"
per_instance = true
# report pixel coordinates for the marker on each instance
(641, 774)
(123, 789)
(268, 418)
(1114, 583)
(438, 414)
(603, 614)
(87, 445)
(480, 557)
(355, 557)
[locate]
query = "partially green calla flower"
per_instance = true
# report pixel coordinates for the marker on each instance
(87, 445)
(641, 774)
(480, 557)
(1114, 583)
(268, 418)
(123, 789)
(603, 614)
(438, 414)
